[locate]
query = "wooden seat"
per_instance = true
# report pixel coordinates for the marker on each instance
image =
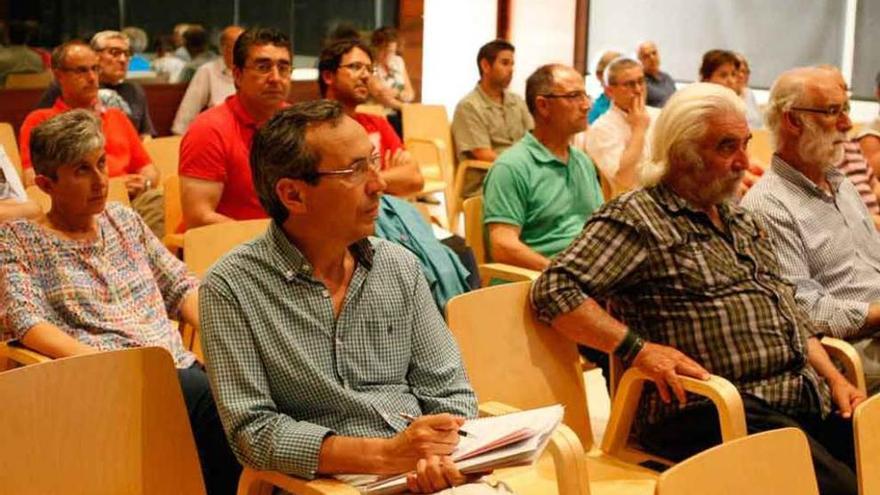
(427, 136)
(112, 422)
(116, 191)
(13, 355)
(165, 153)
(29, 80)
(202, 246)
(514, 359)
(768, 463)
(475, 238)
(866, 425)
(10, 145)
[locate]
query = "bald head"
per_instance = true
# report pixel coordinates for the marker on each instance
(798, 87)
(649, 56)
(227, 42)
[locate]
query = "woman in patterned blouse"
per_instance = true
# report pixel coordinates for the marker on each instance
(390, 86)
(89, 277)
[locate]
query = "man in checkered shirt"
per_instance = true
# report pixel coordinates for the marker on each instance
(696, 289)
(320, 339)
(825, 237)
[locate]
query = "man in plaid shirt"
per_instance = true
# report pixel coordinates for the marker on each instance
(320, 340)
(696, 289)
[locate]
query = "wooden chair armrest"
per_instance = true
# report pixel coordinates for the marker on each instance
(844, 353)
(253, 482)
(722, 393)
(173, 242)
(508, 273)
(15, 352)
(565, 448)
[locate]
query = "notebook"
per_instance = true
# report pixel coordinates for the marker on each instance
(515, 439)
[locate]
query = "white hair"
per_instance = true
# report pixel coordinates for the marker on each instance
(100, 38)
(683, 123)
(787, 90)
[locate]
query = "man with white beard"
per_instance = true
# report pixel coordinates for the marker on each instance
(825, 237)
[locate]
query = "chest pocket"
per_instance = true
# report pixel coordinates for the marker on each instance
(703, 265)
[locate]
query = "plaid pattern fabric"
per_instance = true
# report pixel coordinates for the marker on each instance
(675, 279)
(827, 245)
(286, 372)
(857, 170)
(112, 293)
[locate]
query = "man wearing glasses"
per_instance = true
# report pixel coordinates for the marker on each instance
(619, 140)
(114, 52)
(345, 69)
(827, 243)
(76, 68)
(539, 192)
(321, 338)
(215, 172)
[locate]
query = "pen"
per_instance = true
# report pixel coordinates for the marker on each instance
(411, 418)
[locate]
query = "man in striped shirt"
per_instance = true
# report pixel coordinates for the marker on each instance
(825, 237)
(697, 289)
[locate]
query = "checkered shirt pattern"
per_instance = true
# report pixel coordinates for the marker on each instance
(286, 372)
(827, 245)
(675, 279)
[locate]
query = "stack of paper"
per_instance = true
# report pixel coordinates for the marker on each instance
(494, 442)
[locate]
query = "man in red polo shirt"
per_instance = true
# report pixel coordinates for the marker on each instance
(346, 67)
(215, 173)
(75, 66)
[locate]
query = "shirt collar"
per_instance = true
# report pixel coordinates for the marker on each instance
(241, 114)
(61, 106)
(290, 260)
(794, 177)
(506, 100)
(540, 153)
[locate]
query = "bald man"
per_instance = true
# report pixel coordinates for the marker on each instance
(211, 84)
(660, 84)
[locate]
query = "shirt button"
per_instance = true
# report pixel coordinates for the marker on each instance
(325, 293)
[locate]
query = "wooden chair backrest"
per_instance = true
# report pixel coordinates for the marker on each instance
(165, 153)
(473, 227)
(767, 463)
(866, 423)
(202, 246)
(116, 192)
(173, 208)
(112, 422)
(761, 147)
(513, 358)
(426, 121)
(28, 80)
(10, 145)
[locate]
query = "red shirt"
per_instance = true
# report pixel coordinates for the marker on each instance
(122, 144)
(381, 134)
(217, 148)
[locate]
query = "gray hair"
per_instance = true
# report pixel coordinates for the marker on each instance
(682, 124)
(64, 139)
(280, 150)
(102, 37)
(786, 92)
(617, 66)
(137, 38)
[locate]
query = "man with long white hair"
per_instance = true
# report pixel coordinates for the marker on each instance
(695, 288)
(827, 243)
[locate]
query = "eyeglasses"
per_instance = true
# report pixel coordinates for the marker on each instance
(834, 111)
(573, 95)
(264, 67)
(635, 83)
(82, 70)
(357, 67)
(115, 52)
(357, 171)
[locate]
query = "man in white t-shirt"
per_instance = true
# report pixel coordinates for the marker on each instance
(619, 140)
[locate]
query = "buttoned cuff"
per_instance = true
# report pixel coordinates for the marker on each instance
(298, 450)
(845, 319)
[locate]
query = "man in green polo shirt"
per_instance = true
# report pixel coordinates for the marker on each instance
(540, 192)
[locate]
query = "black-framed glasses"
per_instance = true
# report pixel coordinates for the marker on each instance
(635, 83)
(357, 67)
(357, 171)
(82, 70)
(571, 95)
(834, 111)
(115, 52)
(264, 67)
